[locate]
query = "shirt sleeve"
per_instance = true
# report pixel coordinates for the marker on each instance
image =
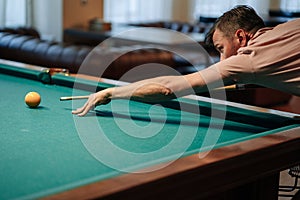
(236, 69)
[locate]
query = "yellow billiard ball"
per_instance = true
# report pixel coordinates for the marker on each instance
(32, 99)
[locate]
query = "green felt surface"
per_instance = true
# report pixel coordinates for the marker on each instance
(48, 150)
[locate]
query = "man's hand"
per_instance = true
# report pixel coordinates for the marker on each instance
(96, 99)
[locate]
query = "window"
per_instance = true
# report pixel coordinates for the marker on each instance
(157, 10)
(14, 13)
(208, 9)
(137, 10)
(290, 5)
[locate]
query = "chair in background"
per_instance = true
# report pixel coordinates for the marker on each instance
(285, 190)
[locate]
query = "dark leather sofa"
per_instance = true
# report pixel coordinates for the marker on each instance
(89, 36)
(182, 27)
(25, 45)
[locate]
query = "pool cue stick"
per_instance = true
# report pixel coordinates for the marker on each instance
(238, 87)
(226, 88)
(73, 98)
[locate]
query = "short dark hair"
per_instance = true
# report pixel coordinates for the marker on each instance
(240, 17)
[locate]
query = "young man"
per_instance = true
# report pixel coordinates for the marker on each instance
(249, 53)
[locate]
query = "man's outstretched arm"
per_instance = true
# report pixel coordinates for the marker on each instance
(150, 90)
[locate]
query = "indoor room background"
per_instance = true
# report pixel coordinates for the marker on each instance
(50, 18)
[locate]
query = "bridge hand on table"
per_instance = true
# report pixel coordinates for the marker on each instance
(94, 100)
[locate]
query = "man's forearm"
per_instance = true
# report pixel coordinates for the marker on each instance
(150, 90)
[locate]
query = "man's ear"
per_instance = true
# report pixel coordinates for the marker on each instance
(241, 35)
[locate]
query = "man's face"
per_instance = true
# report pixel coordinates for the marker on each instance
(226, 46)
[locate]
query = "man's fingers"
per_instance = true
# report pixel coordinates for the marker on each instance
(91, 103)
(80, 110)
(84, 112)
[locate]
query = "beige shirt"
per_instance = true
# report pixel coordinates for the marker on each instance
(271, 59)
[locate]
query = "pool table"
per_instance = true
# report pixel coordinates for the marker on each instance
(188, 148)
